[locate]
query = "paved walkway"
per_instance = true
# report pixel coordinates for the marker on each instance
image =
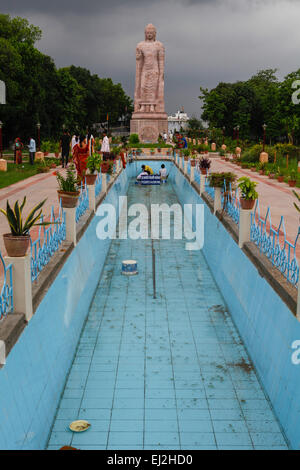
(277, 196)
(170, 373)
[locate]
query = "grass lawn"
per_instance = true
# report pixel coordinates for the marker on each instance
(16, 173)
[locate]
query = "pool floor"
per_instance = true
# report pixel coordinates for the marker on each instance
(165, 373)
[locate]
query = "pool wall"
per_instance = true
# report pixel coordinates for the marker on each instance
(267, 326)
(34, 376)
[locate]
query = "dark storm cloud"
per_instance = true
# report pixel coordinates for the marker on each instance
(207, 41)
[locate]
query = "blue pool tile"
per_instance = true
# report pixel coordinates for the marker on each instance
(90, 438)
(120, 414)
(197, 439)
(196, 426)
(128, 438)
(122, 425)
(94, 403)
(128, 403)
(161, 425)
(160, 414)
(194, 414)
(61, 438)
(236, 438)
(267, 439)
(160, 438)
(160, 403)
(230, 426)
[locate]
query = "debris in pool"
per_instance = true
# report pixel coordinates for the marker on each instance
(79, 425)
(68, 448)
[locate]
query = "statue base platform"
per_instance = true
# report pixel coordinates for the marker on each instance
(148, 126)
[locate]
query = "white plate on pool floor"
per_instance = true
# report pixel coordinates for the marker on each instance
(79, 426)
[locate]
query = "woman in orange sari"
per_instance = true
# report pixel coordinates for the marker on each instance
(81, 153)
(18, 149)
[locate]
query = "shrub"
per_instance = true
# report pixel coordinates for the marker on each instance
(134, 139)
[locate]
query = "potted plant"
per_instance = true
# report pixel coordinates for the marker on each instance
(221, 180)
(292, 180)
(152, 151)
(186, 154)
(93, 165)
(17, 242)
(68, 191)
(248, 192)
(204, 165)
(262, 168)
(193, 160)
(280, 175)
(222, 154)
(158, 149)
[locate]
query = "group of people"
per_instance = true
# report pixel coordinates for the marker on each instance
(18, 151)
(147, 170)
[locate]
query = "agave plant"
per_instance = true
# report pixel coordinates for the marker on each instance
(298, 197)
(18, 226)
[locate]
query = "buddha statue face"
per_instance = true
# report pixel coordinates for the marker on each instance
(150, 33)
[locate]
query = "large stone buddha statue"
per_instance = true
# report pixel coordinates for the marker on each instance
(149, 118)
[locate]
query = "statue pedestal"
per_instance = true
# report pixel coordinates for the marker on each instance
(148, 126)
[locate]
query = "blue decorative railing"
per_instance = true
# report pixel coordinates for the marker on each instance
(98, 184)
(232, 203)
(197, 175)
(83, 202)
(209, 189)
(6, 295)
(47, 243)
(274, 244)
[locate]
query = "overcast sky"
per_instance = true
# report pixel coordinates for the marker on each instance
(206, 41)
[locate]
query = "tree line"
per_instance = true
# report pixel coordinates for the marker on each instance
(37, 91)
(262, 99)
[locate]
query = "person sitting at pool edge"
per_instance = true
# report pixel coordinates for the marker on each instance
(148, 169)
(163, 172)
(144, 173)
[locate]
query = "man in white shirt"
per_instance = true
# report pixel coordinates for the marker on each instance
(163, 172)
(32, 150)
(105, 149)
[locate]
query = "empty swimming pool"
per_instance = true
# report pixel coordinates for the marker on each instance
(164, 373)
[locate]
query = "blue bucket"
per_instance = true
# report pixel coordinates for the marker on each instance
(129, 267)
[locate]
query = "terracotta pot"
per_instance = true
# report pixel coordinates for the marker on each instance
(68, 199)
(252, 169)
(292, 183)
(46, 153)
(203, 171)
(247, 203)
(186, 159)
(280, 179)
(104, 167)
(159, 150)
(56, 154)
(261, 172)
(16, 246)
(90, 179)
(193, 162)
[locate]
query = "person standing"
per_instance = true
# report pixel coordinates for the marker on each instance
(65, 148)
(80, 156)
(32, 150)
(105, 149)
(18, 148)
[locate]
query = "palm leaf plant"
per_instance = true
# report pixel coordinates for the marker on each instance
(19, 227)
(298, 197)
